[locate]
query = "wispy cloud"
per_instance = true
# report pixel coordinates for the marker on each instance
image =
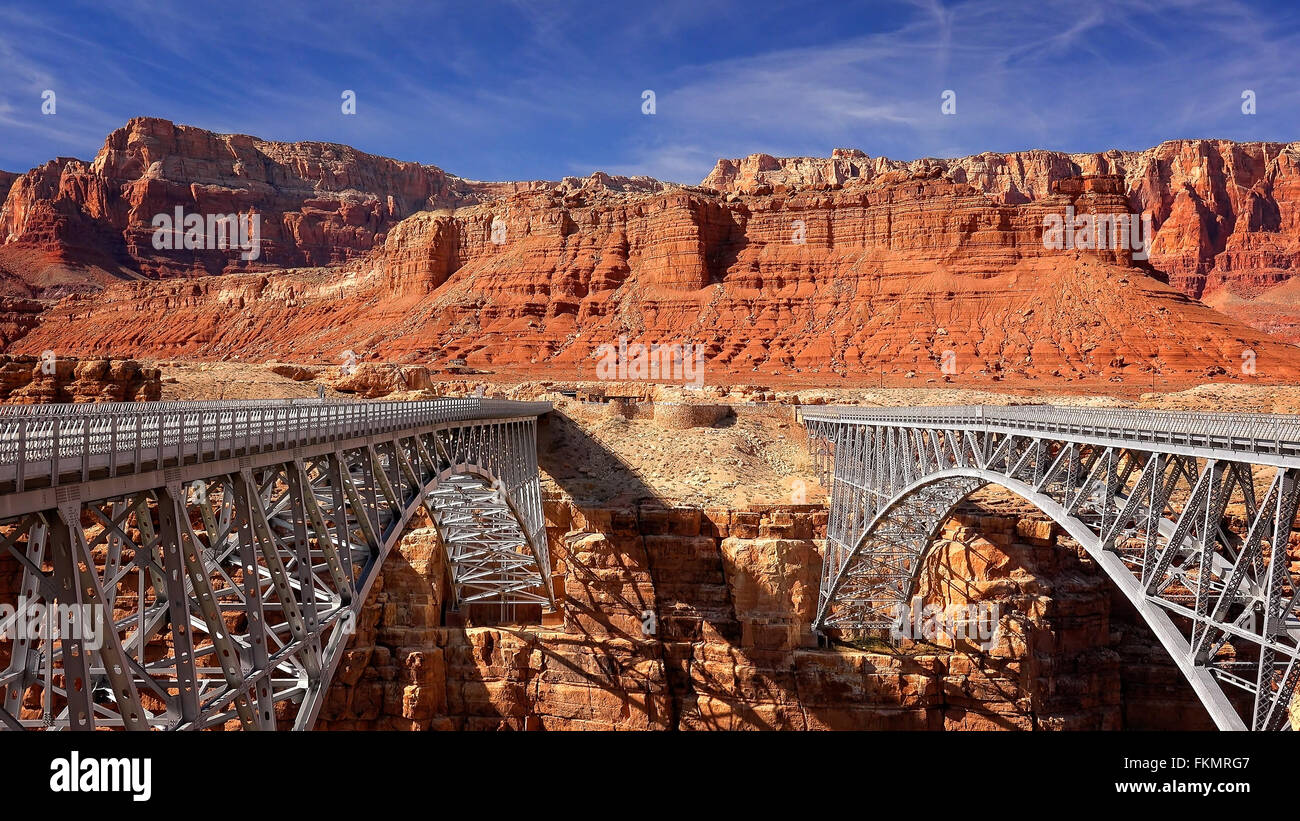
(521, 90)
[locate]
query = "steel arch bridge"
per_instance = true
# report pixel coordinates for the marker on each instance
(1190, 514)
(186, 565)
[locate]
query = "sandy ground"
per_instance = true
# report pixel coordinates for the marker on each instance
(226, 380)
(232, 380)
(759, 456)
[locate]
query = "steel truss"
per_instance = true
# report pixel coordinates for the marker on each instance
(226, 586)
(1191, 515)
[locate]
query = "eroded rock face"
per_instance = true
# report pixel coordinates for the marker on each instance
(1225, 212)
(682, 618)
(846, 266)
(910, 273)
(1069, 650)
(30, 380)
(17, 317)
(369, 380)
(319, 203)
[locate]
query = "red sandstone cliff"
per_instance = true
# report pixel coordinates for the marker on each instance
(890, 276)
(1227, 214)
(319, 203)
(848, 266)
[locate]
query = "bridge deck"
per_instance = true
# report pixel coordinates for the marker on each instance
(1272, 439)
(47, 446)
(229, 547)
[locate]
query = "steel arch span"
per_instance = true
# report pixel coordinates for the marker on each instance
(1190, 515)
(203, 564)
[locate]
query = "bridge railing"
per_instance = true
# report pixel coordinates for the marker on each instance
(1256, 432)
(49, 440)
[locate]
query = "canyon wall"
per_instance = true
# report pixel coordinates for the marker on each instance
(911, 274)
(17, 317)
(318, 203)
(677, 618)
(1226, 214)
(845, 267)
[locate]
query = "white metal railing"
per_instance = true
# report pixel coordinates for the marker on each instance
(49, 440)
(1257, 432)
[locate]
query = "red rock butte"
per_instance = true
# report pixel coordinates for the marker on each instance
(840, 270)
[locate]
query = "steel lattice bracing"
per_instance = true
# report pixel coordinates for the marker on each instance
(226, 548)
(1191, 515)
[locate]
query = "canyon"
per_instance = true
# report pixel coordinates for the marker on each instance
(686, 542)
(687, 616)
(851, 269)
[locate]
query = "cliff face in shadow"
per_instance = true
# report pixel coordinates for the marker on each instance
(693, 619)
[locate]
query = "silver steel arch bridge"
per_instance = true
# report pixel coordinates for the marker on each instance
(1190, 514)
(184, 565)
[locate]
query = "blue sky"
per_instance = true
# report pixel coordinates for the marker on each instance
(543, 90)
